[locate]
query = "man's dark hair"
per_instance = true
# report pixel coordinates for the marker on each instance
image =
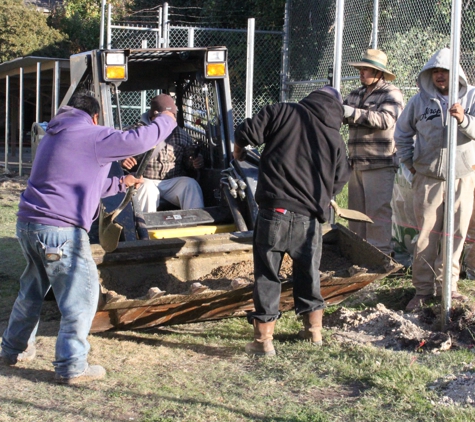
(87, 103)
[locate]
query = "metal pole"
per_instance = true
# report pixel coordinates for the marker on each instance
(160, 27)
(191, 37)
(339, 22)
(375, 23)
(7, 120)
(166, 25)
(56, 83)
(101, 32)
(251, 28)
(20, 124)
(109, 26)
(284, 76)
(448, 246)
(38, 92)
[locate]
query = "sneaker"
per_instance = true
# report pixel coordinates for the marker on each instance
(91, 373)
(11, 360)
(8, 360)
(28, 355)
(418, 301)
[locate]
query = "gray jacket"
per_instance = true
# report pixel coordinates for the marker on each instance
(425, 119)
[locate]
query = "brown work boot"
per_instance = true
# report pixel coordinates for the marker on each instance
(312, 327)
(262, 344)
(91, 373)
(418, 301)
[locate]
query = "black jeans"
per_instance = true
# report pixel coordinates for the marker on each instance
(301, 237)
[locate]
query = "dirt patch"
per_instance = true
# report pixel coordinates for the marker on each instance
(397, 330)
(11, 187)
(457, 390)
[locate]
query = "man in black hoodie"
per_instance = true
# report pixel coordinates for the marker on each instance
(303, 165)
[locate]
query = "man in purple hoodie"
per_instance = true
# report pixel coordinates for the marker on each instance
(67, 181)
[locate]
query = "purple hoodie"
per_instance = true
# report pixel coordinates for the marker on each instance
(69, 175)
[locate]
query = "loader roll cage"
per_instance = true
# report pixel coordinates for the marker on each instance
(124, 82)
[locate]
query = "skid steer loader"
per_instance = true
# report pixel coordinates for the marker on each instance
(173, 246)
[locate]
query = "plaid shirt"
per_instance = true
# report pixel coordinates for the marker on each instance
(173, 158)
(371, 141)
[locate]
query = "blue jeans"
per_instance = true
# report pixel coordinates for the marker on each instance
(75, 283)
(301, 237)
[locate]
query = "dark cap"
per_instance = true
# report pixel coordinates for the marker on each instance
(161, 103)
(332, 91)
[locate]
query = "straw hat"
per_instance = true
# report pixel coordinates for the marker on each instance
(375, 59)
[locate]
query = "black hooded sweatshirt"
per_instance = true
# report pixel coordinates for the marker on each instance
(304, 161)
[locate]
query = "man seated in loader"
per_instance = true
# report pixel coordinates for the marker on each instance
(167, 174)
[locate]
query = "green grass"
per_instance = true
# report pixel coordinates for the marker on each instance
(198, 372)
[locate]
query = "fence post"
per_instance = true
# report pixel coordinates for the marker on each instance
(7, 120)
(166, 25)
(374, 34)
(20, 124)
(101, 31)
(191, 37)
(251, 23)
(284, 89)
(339, 22)
(160, 28)
(451, 149)
(38, 92)
(109, 24)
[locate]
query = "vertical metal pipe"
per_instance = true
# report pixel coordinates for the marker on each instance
(166, 25)
(7, 120)
(109, 26)
(38, 92)
(56, 84)
(375, 23)
(448, 246)
(337, 59)
(284, 76)
(191, 37)
(160, 27)
(251, 29)
(20, 123)
(101, 29)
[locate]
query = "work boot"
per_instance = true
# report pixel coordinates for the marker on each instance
(312, 327)
(418, 301)
(11, 360)
(262, 344)
(91, 373)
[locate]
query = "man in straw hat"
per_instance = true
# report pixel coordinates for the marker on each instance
(371, 112)
(425, 118)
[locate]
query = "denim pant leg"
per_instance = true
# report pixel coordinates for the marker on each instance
(305, 249)
(34, 285)
(75, 283)
(270, 238)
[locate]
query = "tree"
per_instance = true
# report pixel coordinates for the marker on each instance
(24, 31)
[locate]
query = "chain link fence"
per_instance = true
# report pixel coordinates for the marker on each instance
(408, 31)
(267, 59)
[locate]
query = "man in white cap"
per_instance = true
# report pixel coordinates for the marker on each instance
(168, 173)
(371, 112)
